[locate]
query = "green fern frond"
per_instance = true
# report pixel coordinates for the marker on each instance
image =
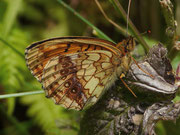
(52, 118)
(12, 66)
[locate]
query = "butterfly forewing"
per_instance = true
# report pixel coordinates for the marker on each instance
(38, 54)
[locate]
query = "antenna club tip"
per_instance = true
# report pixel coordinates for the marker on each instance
(149, 31)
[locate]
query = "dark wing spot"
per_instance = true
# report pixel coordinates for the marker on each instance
(66, 64)
(87, 47)
(61, 59)
(80, 50)
(73, 90)
(67, 58)
(64, 71)
(101, 84)
(68, 46)
(95, 47)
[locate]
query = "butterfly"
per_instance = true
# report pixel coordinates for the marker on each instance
(76, 71)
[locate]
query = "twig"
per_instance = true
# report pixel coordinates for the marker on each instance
(175, 50)
(167, 9)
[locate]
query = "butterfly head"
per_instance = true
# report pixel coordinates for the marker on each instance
(127, 45)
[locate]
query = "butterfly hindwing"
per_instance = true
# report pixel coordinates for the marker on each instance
(76, 80)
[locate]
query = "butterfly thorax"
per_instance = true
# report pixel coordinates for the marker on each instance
(126, 46)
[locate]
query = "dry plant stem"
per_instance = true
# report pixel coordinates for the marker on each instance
(122, 30)
(129, 6)
(120, 9)
(167, 9)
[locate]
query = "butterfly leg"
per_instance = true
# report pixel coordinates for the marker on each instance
(141, 68)
(122, 75)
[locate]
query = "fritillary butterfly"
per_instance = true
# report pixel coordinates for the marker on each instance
(76, 71)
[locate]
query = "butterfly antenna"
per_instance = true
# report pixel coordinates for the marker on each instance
(108, 19)
(129, 5)
(141, 68)
(127, 86)
(146, 32)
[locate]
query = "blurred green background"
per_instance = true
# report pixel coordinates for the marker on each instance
(25, 21)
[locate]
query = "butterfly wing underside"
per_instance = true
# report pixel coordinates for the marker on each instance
(79, 79)
(73, 71)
